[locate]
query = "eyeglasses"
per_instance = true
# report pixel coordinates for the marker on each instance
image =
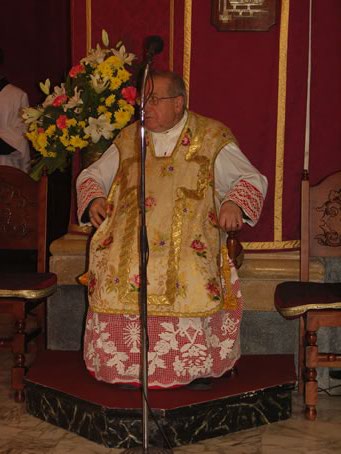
(154, 100)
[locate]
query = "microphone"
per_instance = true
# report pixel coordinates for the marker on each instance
(153, 46)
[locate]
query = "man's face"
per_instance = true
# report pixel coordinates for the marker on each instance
(167, 112)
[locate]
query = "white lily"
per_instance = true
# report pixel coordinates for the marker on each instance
(98, 127)
(99, 84)
(95, 56)
(30, 114)
(58, 91)
(75, 100)
(105, 38)
(45, 87)
(121, 53)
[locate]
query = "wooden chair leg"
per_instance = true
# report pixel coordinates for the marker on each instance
(301, 355)
(18, 373)
(310, 376)
(18, 369)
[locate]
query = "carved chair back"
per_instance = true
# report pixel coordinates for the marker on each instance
(23, 212)
(320, 220)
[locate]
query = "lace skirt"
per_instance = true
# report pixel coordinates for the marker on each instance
(180, 349)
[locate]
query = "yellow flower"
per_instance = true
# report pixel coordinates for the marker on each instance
(114, 61)
(108, 115)
(115, 83)
(50, 130)
(101, 109)
(33, 127)
(121, 117)
(108, 66)
(32, 136)
(124, 105)
(123, 74)
(77, 142)
(71, 122)
(103, 74)
(130, 109)
(82, 124)
(42, 140)
(110, 100)
(64, 138)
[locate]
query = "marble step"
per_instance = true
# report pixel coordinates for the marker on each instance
(60, 391)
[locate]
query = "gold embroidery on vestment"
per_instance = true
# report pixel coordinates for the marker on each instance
(193, 161)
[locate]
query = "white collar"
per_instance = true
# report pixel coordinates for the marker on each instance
(175, 130)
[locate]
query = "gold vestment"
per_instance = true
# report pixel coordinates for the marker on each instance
(188, 274)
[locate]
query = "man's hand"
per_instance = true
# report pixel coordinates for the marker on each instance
(97, 211)
(230, 216)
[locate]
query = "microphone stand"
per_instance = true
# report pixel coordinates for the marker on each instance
(145, 449)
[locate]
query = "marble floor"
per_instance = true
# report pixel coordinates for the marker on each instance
(22, 433)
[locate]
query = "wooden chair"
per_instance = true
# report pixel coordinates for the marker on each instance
(315, 304)
(23, 204)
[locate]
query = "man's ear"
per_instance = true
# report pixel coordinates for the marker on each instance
(179, 104)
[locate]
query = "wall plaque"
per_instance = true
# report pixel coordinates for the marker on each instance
(243, 15)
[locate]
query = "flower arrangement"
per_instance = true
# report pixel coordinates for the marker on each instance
(95, 102)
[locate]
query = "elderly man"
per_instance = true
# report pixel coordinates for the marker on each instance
(198, 186)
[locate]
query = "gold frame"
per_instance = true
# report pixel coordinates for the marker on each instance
(234, 15)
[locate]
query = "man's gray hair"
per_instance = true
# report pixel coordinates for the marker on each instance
(176, 84)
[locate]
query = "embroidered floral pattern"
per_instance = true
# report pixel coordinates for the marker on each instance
(181, 287)
(213, 289)
(135, 283)
(92, 283)
(167, 170)
(105, 243)
(159, 241)
(150, 202)
(124, 207)
(111, 280)
(199, 247)
(186, 140)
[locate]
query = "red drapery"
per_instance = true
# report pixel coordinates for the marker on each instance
(234, 77)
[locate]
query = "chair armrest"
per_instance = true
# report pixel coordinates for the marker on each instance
(235, 249)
